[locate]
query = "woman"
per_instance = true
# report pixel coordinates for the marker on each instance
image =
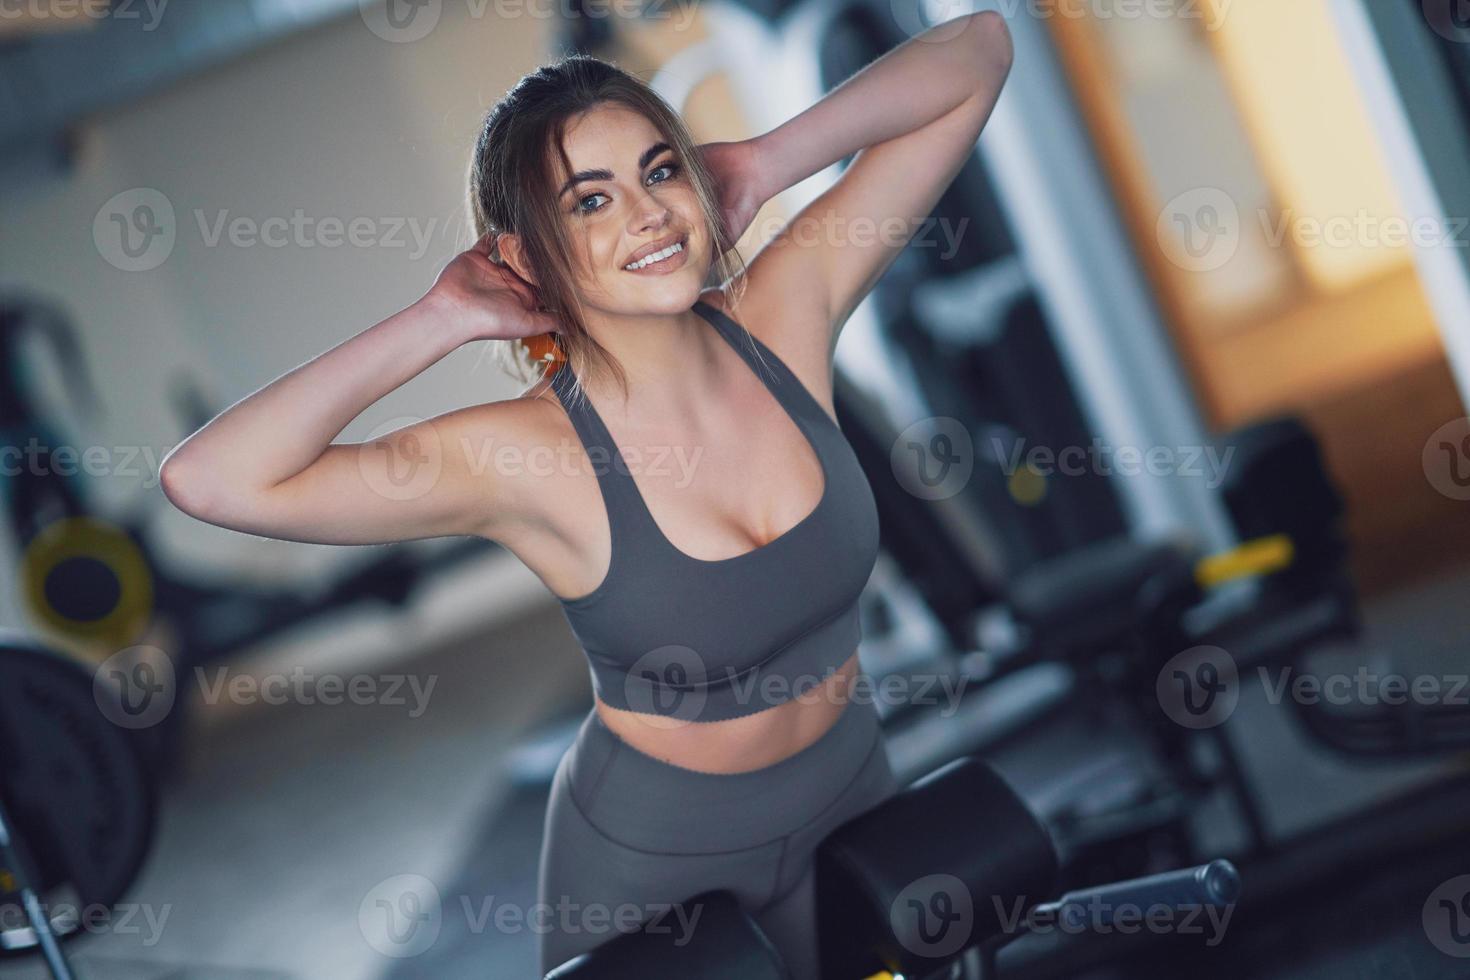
(715, 592)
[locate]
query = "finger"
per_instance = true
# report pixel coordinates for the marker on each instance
(485, 243)
(530, 323)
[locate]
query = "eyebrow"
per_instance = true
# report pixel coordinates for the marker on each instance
(582, 176)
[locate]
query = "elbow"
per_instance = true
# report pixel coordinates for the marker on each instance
(185, 488)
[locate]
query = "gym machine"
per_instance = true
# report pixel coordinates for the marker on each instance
(96, 585)
(931, 905)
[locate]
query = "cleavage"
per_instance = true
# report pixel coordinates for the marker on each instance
(703, 472)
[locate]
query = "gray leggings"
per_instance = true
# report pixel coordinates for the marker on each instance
(630, 837)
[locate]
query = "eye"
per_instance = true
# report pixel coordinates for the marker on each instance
(585, 210)
(671, 167)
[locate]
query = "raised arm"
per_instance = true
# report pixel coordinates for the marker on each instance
(913, 117)
(268, 466)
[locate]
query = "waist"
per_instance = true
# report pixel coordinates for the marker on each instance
(713, 678)
(645, 802)
(740, 744)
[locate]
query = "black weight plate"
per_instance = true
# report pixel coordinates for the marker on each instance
(73, 785)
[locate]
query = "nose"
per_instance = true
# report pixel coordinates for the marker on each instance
(649, 214)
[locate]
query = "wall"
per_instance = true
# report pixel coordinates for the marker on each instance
(337, 122)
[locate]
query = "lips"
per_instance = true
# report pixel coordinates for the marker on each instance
(650, 249)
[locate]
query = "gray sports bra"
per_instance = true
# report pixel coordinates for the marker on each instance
(669, 634)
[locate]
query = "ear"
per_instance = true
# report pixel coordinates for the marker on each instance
(511, 252)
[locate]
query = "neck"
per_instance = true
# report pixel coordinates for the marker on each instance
(669, 361)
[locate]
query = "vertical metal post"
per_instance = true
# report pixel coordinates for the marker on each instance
(12, 853)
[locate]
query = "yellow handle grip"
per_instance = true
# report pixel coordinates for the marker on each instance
(1259, 556)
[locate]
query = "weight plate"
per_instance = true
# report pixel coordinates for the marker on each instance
(87, 580)
(74, 787)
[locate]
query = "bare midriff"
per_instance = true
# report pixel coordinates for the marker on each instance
(742, 744)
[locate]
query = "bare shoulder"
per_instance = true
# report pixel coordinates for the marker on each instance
(516, 446)
(788, 316)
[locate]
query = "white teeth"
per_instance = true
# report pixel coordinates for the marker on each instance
(673, 249)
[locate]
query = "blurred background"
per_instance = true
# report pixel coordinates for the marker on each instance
(1192, 326)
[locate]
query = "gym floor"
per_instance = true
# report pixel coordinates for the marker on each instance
(290, 817)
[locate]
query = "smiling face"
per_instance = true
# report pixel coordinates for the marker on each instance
(627, 198)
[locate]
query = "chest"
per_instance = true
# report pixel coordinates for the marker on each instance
(738, 612)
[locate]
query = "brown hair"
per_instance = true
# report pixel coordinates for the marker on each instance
(512, 190)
